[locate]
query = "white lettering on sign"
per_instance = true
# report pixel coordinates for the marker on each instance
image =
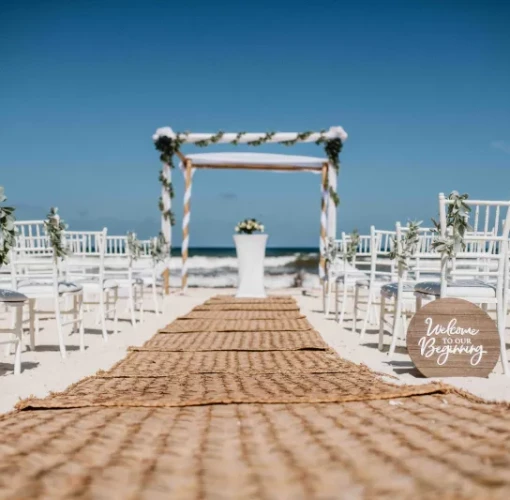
(461, 345)
(451, 329)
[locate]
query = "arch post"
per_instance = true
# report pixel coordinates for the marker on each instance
(185, 223)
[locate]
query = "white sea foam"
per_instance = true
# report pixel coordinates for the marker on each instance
(221, 272)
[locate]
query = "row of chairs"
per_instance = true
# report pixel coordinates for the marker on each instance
(97, 271)
(388, 294)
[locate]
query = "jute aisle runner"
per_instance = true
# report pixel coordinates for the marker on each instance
(265, 414)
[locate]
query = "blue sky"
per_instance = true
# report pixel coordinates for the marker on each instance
(422, 88)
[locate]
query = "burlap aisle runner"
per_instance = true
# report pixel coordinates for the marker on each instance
(260, 306)
(235, 341)
(210, 414)
(194, 389)
(163, 364)
(242, 315)
(222, 325)
(428, 447)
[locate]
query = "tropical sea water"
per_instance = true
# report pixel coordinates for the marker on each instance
(217, 267)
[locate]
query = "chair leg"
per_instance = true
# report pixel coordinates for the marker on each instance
(336, 301)
(59, 328)
(502, 342)
(365, 320)
(116, 310)
(344, 304)
(75, 327)
(155, 297)
(142, 310)
(355, 309)
(102, 313)
(131, 305)
(18, 332)
(32, 320)
(8, 347)
(381, 323)
(81, 327)
(396, 321)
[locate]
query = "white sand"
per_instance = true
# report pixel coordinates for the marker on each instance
(44, 370)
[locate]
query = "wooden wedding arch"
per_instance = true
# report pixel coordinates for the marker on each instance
(327, 168)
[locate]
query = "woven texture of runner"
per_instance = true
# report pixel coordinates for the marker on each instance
(167, 422)
(233, 325)
(428, 447)
(235, 341)
(259, 306)
(158, 364)
(243, 315)
(183, 389)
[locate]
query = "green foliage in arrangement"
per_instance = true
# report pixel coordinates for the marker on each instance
(457, 217)
(331, 250)
(134, 246)
(249, 226)
(352, 246)
(158, 249)
(55, 228)
(408, 247)
(7, 229)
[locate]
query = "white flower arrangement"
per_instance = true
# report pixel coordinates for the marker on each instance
(338, 132)
(163, 132)
(249, 226)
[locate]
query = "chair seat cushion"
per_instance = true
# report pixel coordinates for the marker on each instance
(90, 285)
(125, 282)
(149, 280)
(458, 288)
(39, 288)
(378, 282)
(351, 277)
(11, 296)
(391, 289)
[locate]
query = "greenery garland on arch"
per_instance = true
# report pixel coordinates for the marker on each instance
(168, 143)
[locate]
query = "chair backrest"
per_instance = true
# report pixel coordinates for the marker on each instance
(31, 238)
(32, 257)
(486, 254)
(361, 257)
(86, 253)
(144, 260)
(381, 244)
(423, 260)
(118, 259)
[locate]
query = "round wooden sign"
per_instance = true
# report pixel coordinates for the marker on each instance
(453, 338)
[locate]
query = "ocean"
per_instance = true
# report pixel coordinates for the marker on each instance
(217, 267)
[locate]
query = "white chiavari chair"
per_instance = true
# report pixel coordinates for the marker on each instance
(335, 266)
(86, 266)
(119, 266)
(145, 269)
(355, 263)
(382, 271)
(36, 273)
(14, 302)
(478, 273)
(424, 263)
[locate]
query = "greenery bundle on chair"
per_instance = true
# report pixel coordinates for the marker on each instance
(456, 226)
(55, 228)
(7, 229)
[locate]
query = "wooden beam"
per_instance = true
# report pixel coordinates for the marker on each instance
(181, 156)
(280, 168)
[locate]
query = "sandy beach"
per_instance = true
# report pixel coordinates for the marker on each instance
(44, 371)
